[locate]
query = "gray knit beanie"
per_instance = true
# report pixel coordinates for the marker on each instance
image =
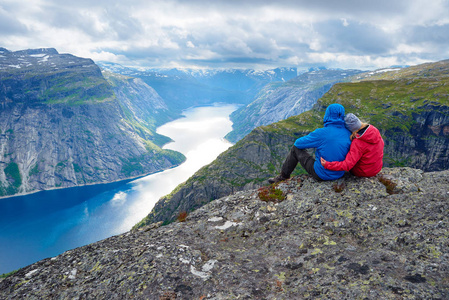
(352, 123)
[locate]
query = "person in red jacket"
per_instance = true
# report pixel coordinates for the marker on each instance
(364, 158)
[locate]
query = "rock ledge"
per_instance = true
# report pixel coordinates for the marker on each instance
(385, 237)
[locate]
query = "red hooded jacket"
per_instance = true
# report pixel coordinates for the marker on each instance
(364, 158)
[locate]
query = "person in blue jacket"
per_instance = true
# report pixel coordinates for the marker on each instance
(332, 142)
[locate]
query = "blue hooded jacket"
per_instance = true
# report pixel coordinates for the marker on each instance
(332, 142)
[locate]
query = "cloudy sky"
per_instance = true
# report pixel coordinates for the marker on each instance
(233, 33)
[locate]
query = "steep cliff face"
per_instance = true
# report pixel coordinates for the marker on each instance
(357, 238)
(62, 125)
(427, 145)
(143, 108)
(279, 101)
(409, 107)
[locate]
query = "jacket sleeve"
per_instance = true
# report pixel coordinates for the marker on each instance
(353, 156)
(312, 140)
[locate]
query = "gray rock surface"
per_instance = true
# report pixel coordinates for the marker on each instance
(356, 238)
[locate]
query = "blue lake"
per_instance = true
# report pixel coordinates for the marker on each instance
(47, 223)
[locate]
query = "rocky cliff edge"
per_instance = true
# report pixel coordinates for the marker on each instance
(356, 238)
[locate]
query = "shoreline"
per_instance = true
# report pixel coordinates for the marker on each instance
(124, 181)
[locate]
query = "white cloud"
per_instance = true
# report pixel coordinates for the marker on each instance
(343, 60)
(249, 33)
(408, 49)
(107, 56)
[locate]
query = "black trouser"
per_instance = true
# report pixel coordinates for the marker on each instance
(305, 159)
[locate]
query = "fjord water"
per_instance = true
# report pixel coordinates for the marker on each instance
(45, 224)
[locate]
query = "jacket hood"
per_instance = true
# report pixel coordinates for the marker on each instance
(371, 135)
(335, 114)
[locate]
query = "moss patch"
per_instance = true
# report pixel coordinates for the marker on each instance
(12, 172)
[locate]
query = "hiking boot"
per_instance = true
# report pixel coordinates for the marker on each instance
(277, 179)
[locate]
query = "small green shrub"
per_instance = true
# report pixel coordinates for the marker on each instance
(271, 194)
(12, 172)
(77, 168)
(34, 170)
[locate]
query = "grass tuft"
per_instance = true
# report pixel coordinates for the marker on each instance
(339, 187)
(390, 185)
(271, 194)
(8, 274)
(182, 216)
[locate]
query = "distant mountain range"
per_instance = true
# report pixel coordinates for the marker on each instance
(184, 88)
